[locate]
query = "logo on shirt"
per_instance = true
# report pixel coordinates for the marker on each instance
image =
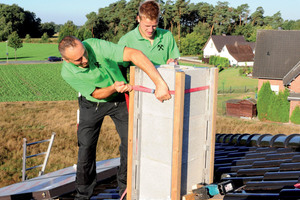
(160, 47)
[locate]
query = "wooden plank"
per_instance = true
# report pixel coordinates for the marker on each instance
(213, 84)
(177, 135)
(130, 134)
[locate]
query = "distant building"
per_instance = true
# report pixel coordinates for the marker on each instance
(241, 107)
(235, 48)
(277, 60)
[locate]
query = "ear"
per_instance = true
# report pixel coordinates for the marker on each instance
(65, 59)
(138, 18)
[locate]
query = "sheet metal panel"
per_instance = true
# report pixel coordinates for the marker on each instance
(55, 183)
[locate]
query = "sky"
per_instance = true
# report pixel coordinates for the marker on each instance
(60, 11)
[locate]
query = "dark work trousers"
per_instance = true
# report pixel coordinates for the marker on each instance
(90, 121)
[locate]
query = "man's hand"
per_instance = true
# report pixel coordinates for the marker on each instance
(122, 87)
(162, 93)
(175, 61)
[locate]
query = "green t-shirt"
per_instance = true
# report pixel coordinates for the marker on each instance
(164, 46)
(102, 71)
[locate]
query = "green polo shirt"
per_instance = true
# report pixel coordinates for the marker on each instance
(164, 46)
(102, 71)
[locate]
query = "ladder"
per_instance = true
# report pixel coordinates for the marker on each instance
(47, 153)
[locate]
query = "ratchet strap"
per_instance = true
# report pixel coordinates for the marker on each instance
(149, 90)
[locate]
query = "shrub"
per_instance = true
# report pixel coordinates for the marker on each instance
(219, 62)
(295, 117)
(264, 99)
(279, 108)
(45, 38)
(27, 38)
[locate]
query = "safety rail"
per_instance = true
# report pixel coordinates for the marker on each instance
(47, 153)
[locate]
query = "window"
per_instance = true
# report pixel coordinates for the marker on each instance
(275, 88)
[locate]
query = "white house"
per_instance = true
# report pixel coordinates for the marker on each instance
(230, 47)
(239, 55)
(215, 43)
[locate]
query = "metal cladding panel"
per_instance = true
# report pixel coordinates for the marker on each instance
(153, 132)
(54, 181)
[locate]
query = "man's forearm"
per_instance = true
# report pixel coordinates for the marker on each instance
(140, 60)
(103, 93)
(118, 86)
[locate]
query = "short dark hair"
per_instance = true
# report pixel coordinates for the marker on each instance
(68, 41)
(149, 9)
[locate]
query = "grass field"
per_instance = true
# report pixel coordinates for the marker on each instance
(33, 82)
(230, 79)
(29, 51)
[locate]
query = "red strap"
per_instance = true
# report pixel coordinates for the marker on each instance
(148, 90)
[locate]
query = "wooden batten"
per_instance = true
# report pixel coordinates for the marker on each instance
(177, 134)
(214, 94)
(130, 135)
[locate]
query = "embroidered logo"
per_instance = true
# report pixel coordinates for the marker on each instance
(160, 47)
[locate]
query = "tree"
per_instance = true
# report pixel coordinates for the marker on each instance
(275, 21)
(243, 12)
(48, 28)
(69, 28)
(295, 117)
(264, 99)
(168, 15)
(192, 44)
(279, 108)
(27, 38)
(91, 22)
(257, 18)
(15, 42)
(222, 17)
(14, 18)
(45, 38)
(87, 34)
(180, 9)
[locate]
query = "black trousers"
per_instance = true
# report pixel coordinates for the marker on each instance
(90, 121)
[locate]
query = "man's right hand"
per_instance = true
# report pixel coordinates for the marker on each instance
(162, 92)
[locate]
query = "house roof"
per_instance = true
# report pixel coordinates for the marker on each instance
(276, 53)
(237, 101)
(260, 166)
(294, 97)
(242, 53)
(292, 74)
(221, 40)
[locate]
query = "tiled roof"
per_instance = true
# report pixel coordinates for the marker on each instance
(292, 74)
(260, 166)
(242, 53)
(277, 52)
(294, 96)
(221, 40)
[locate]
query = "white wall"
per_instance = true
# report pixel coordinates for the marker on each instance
(232, 61)
(210, 49)
(225, 53)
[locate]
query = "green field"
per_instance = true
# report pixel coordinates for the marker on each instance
(231, 82)
(33, 82)
(29, 51)
(42, 82)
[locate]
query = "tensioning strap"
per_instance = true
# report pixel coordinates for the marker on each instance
(149, 90)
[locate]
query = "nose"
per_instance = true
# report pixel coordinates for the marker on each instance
(84, 60)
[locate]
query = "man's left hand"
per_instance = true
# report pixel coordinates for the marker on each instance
(175, 61)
